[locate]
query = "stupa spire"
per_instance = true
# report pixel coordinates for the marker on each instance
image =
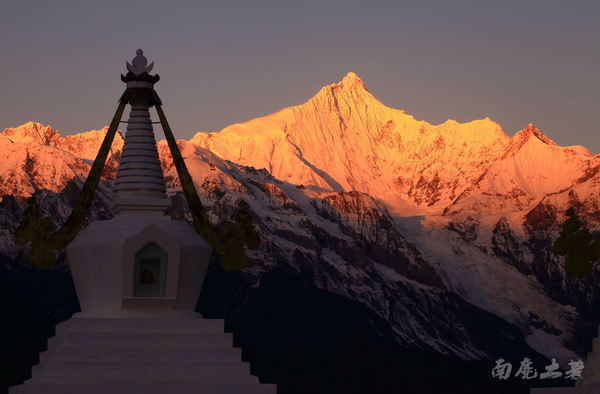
(140, 185)
(139, 63)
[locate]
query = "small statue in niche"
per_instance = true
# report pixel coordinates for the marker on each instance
(148, 277)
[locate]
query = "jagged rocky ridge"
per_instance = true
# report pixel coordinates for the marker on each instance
(442, 233)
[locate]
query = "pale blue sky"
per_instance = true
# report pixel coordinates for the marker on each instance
(229, 61)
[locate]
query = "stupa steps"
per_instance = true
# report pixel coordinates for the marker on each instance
(142, 355)
(140, 173)
(130, 338)
(139, 353)
(141, 169)
(591, 373)
(141, 325)
(148, 187)
(146, 162)
(588, 372)
(154, 183)
(564, 390)
(146, 371)
(141, 137)
(40, 386)
(138, 151)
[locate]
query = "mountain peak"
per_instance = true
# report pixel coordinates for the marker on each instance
(350, 86)
(351, 82)
(32, 132)
(530, 134)
(84, 144)
(531, 131)
(351, 79)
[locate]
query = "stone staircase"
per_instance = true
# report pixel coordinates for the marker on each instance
(139, 352)
(591, 373)
(590, 378)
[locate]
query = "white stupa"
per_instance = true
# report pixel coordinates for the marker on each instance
(138, 277)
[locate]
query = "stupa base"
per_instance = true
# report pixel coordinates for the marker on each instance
(142, 352)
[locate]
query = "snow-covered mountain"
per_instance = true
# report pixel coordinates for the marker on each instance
(438, 230)
(468, 196)
(35, 157)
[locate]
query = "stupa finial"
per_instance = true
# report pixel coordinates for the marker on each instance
(139, 64)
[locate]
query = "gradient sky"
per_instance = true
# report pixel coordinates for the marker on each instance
(229, 61)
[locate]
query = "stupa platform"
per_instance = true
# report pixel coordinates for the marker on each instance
(142, 352)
